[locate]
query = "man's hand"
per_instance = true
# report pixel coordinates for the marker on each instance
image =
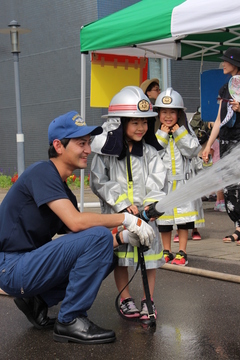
(133, 239)
(130, 238)
(140, 228)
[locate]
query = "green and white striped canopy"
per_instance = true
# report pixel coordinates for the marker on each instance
(175, 29)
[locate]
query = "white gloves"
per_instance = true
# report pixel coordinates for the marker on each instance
(140, 228)
(130, 238)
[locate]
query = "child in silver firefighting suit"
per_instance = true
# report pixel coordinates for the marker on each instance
(127, 174)
(180, 146)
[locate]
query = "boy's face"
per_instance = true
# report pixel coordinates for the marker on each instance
(136, 128)
(168, 117)
(76, 152)
(154, 92)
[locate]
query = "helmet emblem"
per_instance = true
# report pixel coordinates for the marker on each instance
(166, 100)
(143, 105)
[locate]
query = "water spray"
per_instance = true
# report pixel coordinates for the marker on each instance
(223, 173)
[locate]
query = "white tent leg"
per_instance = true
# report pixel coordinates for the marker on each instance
(166, 74)
(83, 115)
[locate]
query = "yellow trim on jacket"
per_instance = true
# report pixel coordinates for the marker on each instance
(180, 136)
(171, 217)
(130, 183)
(121, 198)
(162, 139)
(134, 255)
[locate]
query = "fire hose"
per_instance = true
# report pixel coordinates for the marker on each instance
(145, 215)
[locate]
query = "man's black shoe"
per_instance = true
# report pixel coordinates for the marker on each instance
(82, 330)
(35, 310)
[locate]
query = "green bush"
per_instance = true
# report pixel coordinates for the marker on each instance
(5, 181)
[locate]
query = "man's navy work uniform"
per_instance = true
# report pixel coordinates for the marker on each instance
(68, 269)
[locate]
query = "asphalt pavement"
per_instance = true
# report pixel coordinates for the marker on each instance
(198, 312)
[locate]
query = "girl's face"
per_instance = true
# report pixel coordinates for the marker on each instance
(136, 128)
(168, 117)
(229, 68)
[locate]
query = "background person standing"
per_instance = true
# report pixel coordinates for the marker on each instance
(229, 136)
(151, 89)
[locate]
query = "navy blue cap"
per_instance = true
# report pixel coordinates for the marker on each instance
(69, 126)
(232, 56)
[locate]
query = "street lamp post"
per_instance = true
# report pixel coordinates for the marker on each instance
(14, 32)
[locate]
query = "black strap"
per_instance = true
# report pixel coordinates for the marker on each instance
(151, 322)
(118, 239)
(145, 285)
(129, 165)
(120, 293)
(141, 262)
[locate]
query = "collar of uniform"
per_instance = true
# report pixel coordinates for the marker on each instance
(137, 150)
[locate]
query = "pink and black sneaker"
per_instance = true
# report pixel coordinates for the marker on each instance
(128, 308)
(144, 310)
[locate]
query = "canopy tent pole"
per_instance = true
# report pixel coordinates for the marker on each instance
(166, 74)
(83, 115)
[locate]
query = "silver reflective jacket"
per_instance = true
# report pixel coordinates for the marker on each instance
(178, 150)
(109, 181)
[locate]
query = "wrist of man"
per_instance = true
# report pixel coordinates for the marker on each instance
(122, 237)
(118, 238)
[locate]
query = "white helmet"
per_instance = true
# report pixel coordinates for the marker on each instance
(130, 102)
(169, 99)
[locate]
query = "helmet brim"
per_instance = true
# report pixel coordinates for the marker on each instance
(130, 115)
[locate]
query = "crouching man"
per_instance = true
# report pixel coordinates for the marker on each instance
(40, 272)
